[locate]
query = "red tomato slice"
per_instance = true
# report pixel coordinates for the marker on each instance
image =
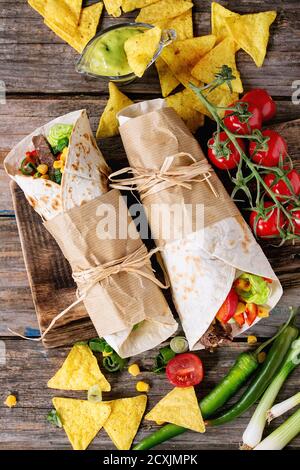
(228, 309)
(185, 370)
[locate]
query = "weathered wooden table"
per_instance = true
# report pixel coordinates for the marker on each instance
(41, 83)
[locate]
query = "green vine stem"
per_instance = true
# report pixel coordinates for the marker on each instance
(240, 181)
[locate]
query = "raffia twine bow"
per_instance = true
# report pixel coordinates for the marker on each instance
(148, 182)
(88, 278)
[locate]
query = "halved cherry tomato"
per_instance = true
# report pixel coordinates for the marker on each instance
(222, 153)
(251, 313)
(263, 101)
(296, 218)
(228, 308)
(281, 188)
(271, 152)
(245, 120)
(185, 370)
(268, 226)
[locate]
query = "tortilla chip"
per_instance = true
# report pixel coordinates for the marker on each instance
(218, 97)
(65, 13)
(182, 24)
(79, 371)
(124, 420)
(113, 7)
(179, 407)
(141, 48)
(81, 419)
(183, 104)
(130, 5)
(86, 29)
(108, 125)
(218, 24)
(223, 54)
(168, 82)
(163, 10)
(182, 56)
(252, 32)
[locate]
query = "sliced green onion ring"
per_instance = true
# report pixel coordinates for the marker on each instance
(95, 394)
(179, 345)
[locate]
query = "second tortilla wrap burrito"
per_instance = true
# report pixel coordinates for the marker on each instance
(203, 265)
(66, 207)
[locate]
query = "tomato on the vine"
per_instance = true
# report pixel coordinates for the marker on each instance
(222, 152)
(261, 98)
(269, 224)
(280, 187)
(244, 119)
(295, 212)
(271, 151)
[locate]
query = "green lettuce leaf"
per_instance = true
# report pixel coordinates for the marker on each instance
(259, 290)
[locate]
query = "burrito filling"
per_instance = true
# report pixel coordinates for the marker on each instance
(48, 158)
(245, 302)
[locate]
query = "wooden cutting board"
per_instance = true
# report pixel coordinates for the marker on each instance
(50, 279)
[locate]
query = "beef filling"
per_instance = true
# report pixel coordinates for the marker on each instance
(218, 333)
(44, 153)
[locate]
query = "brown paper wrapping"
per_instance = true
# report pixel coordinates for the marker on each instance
(150, 138)
(124, 299)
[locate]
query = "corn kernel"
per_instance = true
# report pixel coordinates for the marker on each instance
(42, 168)
(134, 370)
(251, 339)
(10, 401)
(64, 154)
(261, 357)
(57, 164)
(142, 387)
(45, 177)
(263, 312)
(106, 354)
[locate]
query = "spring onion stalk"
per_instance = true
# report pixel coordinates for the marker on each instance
(281, 408)
(282, 435)
(254, 431)
(179, 345)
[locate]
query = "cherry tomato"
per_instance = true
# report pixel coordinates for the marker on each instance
(263, 101)
(281, 188)
(271, 152)
(185, 370)
(245, 121)
(268, 226)
(222, 153)
(296, 218)
(228, 308)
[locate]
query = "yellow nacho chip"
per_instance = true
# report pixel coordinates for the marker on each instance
(86, 29)
(80, 371)
(182, 56)
(113, 7)
(168, 82)
(179, 407)
(252, 32)
(222, 54)
(218, 24)
(81, 419)
(183, 104)
(182, 24)
(108, 125)
(124, 420)
(162, 10)
(130, 5)
(65, 13)
(141, 48)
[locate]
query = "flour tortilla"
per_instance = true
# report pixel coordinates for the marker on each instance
(203, 265)
(84, 178)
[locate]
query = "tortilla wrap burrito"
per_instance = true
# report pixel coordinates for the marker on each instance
(203, 265)
(68, 206)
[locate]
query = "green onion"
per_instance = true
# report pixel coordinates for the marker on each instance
(113, 362)
(100, 345)
(162, 359)
(53, 418)
(282, 435)
(95, 394)
(254, 431)
(179, 345)
(281, 408)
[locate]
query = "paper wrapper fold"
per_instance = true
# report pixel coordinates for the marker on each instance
(202, 265)
(71, 213)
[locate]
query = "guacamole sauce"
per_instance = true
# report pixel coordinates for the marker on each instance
(106, 55)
